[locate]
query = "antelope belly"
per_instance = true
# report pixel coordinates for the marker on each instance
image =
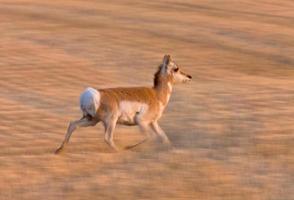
(129, 110)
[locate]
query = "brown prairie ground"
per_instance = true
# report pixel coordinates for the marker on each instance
(231, 127)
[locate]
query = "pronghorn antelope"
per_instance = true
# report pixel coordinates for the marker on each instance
(142, 106)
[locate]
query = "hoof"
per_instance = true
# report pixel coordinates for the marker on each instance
(58, 150)
(130, 147)
(167, 142)
(135, 145)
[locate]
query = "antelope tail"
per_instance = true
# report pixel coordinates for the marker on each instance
(90, 101)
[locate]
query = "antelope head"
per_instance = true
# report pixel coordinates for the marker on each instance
(170, 69)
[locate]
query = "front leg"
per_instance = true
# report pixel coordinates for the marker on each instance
(144, 128)
(156, 128)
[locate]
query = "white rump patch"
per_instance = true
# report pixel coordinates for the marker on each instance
(90, 101)
(129, 110)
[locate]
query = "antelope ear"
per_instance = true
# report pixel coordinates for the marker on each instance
(165, 63)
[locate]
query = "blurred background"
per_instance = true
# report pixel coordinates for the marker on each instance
(231, 127)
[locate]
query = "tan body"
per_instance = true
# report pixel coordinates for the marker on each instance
(140, 106)
(131, 105)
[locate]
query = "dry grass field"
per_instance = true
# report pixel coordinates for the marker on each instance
(232, 127)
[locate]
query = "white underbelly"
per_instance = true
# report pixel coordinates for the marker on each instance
(130, 111)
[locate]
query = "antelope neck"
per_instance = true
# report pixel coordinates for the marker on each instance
(163, 90)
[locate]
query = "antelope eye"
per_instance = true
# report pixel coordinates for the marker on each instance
(176, 69)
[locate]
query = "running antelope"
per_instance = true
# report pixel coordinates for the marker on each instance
(142, 106)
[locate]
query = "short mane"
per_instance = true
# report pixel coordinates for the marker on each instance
(156, 79)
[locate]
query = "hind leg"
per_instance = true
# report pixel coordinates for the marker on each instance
(83, 122)
(109, 131)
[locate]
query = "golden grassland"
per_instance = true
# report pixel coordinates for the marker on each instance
(231, 127)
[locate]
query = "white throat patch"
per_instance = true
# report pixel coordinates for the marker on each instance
(170, 87)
